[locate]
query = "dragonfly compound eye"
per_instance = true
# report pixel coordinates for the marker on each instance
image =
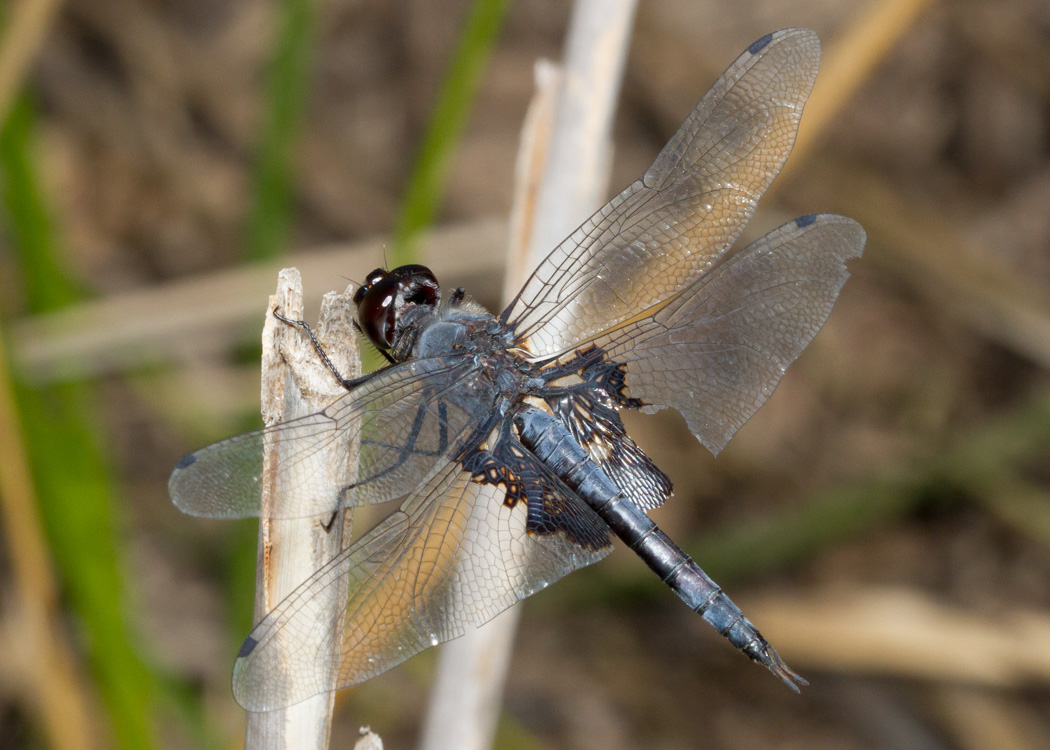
(386, 294)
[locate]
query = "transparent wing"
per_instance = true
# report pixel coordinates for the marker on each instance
(685, 211)
(405, 420)
(718, 350)
(453, 557)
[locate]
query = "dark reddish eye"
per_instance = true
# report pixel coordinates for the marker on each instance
(375, 312)
(370, 281)
(384, 296)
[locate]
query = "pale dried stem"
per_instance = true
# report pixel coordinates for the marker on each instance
(296, 383)
(368, 740)
(906, 633)
(563, 170)
(176, 321)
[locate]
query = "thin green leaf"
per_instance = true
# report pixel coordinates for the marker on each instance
(288, 84)
(427, 183)
(72, 483)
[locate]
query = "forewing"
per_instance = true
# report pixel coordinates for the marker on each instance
(687, 209)
(405, 420)
(716, 352)
(453, 557)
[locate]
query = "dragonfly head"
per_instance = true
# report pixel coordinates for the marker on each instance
(386, 295)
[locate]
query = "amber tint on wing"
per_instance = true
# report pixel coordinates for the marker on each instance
(688, 208)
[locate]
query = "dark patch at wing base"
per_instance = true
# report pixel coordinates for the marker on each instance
(589, 411)
(597, 427)
(552, 508)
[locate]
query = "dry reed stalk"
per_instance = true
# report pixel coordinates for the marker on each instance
(563, 171)
(175, 321)
(296, 383)
(906, 633)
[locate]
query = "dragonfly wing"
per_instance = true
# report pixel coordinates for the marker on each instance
(404, 422)
(718, 350)
(455, 555)
(687, 209)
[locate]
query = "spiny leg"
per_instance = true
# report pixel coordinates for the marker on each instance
(407, 449)
(348, 383)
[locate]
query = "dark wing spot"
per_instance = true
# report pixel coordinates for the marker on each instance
(759, 44)
(187, 460)
(247, 647)
(804, 221)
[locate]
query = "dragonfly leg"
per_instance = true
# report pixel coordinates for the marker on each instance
(327, 525)
(348, 383)
(406, 450)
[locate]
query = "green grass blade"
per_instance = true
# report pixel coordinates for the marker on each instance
(72, 483)
(426, 185)
(46, 287)
(288, 85)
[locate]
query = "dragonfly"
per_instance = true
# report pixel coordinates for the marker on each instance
(500, 437)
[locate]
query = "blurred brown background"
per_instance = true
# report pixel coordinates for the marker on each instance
(884, 519)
